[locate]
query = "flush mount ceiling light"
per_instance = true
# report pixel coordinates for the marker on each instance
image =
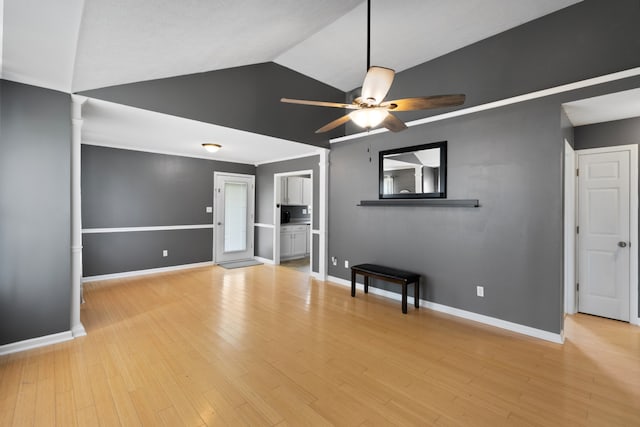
(212, 148)
(369, 108)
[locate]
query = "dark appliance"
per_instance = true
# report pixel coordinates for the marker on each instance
(285, 217)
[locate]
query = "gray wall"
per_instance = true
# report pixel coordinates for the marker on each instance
(589, 39)
(140, 250)
(35, 225)
(264, 200)
(609, 134)
(509, 159)
(246, 98)
(124, 188)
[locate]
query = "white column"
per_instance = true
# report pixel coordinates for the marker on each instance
(323, 254)
(76, 216)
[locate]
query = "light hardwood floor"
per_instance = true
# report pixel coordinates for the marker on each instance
(268, 346)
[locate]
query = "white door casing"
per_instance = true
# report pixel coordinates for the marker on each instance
(607, 193)
(234, 204)
(569, 229)
(279, 196)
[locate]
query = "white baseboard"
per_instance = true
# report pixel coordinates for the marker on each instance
(320, 276)
(145, 272)
(264, 260)
(481, 318)
(35, 342)
(78, 331)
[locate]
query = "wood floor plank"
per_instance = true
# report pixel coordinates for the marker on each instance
(46, 402)
(65, 410)
(267, 345)
(124, 405)
(87, 416)
(103, 400)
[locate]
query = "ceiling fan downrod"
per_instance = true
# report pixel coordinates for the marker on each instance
(368, 35)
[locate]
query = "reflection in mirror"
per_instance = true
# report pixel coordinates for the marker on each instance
(414, 172)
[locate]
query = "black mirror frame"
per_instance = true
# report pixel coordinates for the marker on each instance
(443, 172)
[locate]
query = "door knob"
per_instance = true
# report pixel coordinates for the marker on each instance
(622, 244)
(219, 223)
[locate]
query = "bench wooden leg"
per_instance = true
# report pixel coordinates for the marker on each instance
(353, 283)
(416, 298)
(366, 284)
(404, 298)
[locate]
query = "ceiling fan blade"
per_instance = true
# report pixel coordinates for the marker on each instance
(393, 123)
(377, 83)
(424, 102)
(334, 124)
(319, 103)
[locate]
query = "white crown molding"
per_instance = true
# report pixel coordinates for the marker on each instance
(284, 159)
(147, 150)
(146, 272)
(480, 318)
(504, 102)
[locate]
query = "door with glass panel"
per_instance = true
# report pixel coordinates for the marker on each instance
(234, 214)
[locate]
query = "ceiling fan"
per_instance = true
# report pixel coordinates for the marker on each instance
(370, 109)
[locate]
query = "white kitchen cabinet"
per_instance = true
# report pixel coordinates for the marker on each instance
(308, 239)
(296, 191)
(307, 191)
(293, 241)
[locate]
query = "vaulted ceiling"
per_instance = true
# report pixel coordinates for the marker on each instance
(76, 45)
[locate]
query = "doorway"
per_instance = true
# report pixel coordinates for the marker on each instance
(234, 202)
(293, 220)
(607, 218)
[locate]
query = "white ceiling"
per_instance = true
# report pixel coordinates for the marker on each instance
(76, 45)
(605, 108)
(119, 126)
(404, 34)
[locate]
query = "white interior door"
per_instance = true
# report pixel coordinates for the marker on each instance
(234, 208)
(604, 234)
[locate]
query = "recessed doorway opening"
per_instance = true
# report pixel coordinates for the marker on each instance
(294, 212)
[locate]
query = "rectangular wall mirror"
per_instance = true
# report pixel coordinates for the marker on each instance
(417, 172)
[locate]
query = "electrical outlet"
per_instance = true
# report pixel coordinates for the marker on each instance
(334, 260)
(480, 291)
(209, 209)
(346, 264)
(304, 211)
(165, 252)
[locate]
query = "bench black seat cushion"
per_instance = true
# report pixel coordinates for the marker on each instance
(391, 273)
(394, 275)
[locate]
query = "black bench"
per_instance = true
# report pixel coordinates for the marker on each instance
(388, 274)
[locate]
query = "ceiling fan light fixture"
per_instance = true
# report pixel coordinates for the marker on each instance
(212, 148)
(369, 110)
(368, 117)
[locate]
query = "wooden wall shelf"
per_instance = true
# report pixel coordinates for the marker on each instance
(450, 203)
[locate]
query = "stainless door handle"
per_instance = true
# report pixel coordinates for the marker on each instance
(622, 244)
